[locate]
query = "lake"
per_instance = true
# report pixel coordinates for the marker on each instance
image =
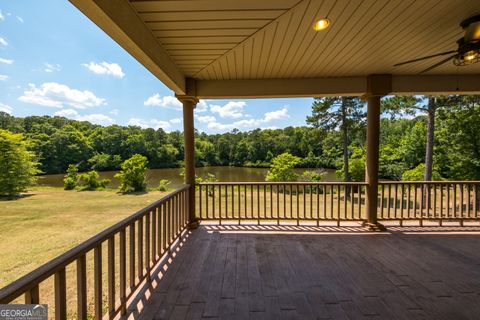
(223, 174)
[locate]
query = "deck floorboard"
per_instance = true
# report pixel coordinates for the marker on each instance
(232, 274)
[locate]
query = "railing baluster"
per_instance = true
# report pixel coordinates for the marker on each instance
(147, 245)
(454, 200)
(239, 202)
(140, 249)
(271, 201)
(468, 200)
(32, 296)
(291, 201)
(131, 249)
(318, 204)
(304, 202)
(331, 202)
(360, 202)
(233, 203)
(81, 288)
(97, 274)
(245, 215)
(60, 294)
(278, 205)
(324, 189)
(159, 229)
(154, 230)
(123, 272)
(389, 200)
(475, 199)
(338, 204)
(226, 202)
(207, 216)
(111, 276)
(200, 201)
(251, 202)
(409, 198)
(351, 196)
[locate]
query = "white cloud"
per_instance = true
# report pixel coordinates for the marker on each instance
(206, 119)
(153, 123)
(56, 95)
(233, 109)
(114, 112)
(213, 124)
(96, 118)
(5, 108)
(276, 115)
(166, 102)
(6, 61)
(112, 69)
(2, 17)
(51, 67)
(20, 19)
(3, 77)
(175, 121)
(3, 42)
(202, 106)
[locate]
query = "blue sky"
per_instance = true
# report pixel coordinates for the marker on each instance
(54, 61)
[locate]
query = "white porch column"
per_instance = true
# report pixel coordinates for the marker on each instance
(377, 87)
(189, 103)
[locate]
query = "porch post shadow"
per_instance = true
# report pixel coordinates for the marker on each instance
(377, 87)
(189, 102)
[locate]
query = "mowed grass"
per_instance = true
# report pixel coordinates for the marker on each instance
(47, 222)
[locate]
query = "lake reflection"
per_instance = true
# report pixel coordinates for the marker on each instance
(223, 174)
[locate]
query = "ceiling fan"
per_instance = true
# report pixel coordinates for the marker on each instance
(468, 51)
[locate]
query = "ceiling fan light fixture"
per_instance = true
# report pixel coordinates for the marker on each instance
(467, 58)
(470, 55)
(321, 24)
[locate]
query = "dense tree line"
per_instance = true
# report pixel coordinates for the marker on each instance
(58, 141)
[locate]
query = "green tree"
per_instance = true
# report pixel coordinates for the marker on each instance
(133, 176)
(89, 181)
(70, 180)
(338, 113)
(18, 166)
(282, 168)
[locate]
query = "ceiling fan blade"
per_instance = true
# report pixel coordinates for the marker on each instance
(438, 64)
(427, 57)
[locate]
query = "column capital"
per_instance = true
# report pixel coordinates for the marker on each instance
(378, 85)
(187, 98)
(191, 92)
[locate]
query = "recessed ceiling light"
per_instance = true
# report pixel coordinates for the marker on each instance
(321, 24)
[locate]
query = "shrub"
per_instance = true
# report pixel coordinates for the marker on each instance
(163, 185)
(90, 181)
(282, 168)
(17, 165)
(133, 176)
(70, 180)
(418, 174)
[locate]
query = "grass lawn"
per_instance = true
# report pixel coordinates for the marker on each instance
(47, 222)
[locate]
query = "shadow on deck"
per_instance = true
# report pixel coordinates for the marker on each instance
(262, 272)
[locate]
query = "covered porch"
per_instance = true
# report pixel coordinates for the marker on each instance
(284, 250)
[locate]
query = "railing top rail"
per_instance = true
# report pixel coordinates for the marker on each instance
(21, 285)
(429, 182)
(282, 183)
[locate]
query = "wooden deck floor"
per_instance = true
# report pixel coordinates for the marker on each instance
(350, 275)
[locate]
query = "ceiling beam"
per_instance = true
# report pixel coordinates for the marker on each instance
(119, 20)
(436, 84)
(340, 86)
(280, 88)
